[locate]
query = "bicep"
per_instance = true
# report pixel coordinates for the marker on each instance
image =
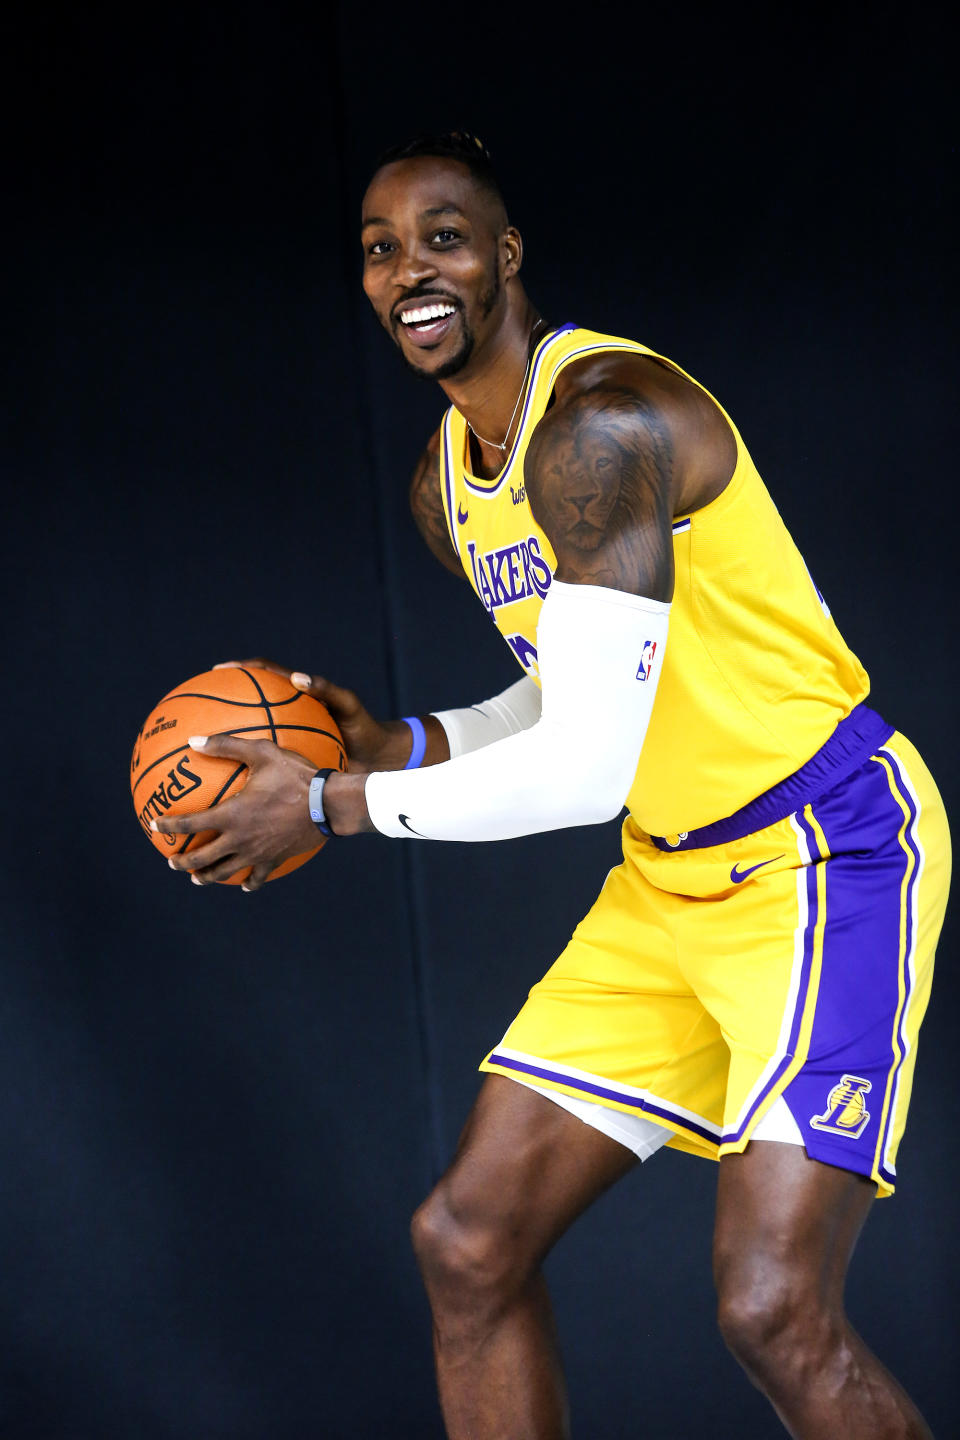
(599, 475)
(426, 504)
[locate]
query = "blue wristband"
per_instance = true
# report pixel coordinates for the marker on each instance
(419, 742)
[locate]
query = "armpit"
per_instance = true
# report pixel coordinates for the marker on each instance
(426, 504)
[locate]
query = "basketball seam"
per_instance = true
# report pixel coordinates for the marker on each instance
(224, 700)
(265, 703)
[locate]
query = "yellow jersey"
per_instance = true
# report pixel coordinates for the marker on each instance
(756, 674)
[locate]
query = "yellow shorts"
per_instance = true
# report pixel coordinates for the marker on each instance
(725, 970)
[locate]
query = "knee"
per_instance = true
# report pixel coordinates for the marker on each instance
(462, 1252)
(771, 1322)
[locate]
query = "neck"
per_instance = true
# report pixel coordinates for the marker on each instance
(486, 393)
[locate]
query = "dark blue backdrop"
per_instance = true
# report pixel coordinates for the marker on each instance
(218, 1111)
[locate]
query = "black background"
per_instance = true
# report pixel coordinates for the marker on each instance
(219, 1110)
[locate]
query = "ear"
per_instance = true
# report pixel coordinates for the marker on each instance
(511, 250)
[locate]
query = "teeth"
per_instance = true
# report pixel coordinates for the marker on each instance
(429, 312)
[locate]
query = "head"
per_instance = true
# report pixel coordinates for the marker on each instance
(440, 256)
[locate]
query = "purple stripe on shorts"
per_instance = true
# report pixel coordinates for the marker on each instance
(837, 1097)
(605, 1092)
(911, 901)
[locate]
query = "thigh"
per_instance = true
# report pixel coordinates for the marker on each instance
(786, 1222)
(615, 1023)
(876, 854)
(526, 1165)
(814, 954)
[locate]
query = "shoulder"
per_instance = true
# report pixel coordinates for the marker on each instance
(426, 505)
(646, 404)
(649, 378)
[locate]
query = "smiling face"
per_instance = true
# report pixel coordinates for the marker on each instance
(438, 254)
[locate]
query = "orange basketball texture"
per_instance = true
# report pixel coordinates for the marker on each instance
(167, 778)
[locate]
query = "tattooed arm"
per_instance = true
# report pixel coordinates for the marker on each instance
(427, 506)
(605, 469)
(625, 447)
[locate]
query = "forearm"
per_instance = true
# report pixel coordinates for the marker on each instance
(573, 767)
(476, 726)
(400, 744)
(447, 734)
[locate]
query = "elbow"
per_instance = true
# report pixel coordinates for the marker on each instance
(609, 809)
(605, 795)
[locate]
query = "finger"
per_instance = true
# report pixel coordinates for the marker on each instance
(232, 747)
(217, 873)
(342, 704)
(185, 824)
(258, 877)
(199, 857)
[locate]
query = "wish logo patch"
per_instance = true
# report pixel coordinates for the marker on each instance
(846, 1112)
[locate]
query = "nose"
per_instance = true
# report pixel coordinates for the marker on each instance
(414, 264)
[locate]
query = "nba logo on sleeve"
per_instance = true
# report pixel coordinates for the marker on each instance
(646, 659)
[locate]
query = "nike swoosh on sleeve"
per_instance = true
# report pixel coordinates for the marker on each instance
(405, 822)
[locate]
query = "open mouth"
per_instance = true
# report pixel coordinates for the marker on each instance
(426, 324)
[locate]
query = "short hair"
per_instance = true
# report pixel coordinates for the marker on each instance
(450, 145)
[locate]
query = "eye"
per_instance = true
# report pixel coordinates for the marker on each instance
(446, 236)
(379, 247)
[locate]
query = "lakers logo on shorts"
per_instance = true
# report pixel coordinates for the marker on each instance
(846, 1112)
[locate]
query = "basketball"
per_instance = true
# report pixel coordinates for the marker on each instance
(168, 778)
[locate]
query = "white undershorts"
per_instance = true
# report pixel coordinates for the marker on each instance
(645, 1137)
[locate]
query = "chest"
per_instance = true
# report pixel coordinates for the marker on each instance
(504, 553)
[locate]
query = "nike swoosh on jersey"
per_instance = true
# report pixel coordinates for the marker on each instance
(462, 515)
(405, 822)
(738, 876)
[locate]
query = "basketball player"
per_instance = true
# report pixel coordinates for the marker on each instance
(750, 982)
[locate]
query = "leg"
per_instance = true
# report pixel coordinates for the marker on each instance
(523, 1172)
(786, 1229)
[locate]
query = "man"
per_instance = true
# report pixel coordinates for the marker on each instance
(750, 981)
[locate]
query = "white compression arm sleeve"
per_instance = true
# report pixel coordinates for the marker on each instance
(599, 653)
(513, 710)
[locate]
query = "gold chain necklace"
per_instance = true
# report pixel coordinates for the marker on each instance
(523, 385)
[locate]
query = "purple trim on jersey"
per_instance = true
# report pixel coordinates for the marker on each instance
(679, 526)
(448, 482)
(491, 487)
(858, 1011)
(854, 740)
(803, 986)
(605, 1092)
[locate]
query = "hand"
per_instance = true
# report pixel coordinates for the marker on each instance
(370, 744)
(263, 824)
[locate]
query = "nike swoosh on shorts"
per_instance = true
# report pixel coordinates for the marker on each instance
(738, 876)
